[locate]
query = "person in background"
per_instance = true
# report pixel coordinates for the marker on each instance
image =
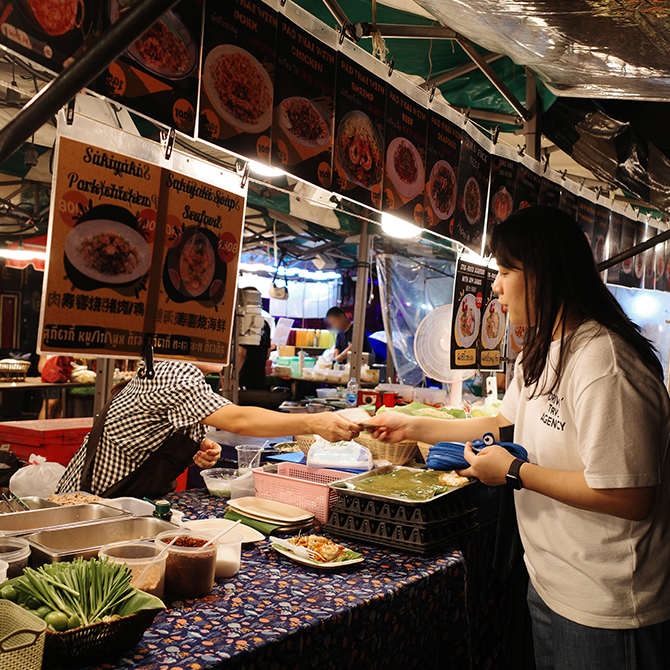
(252, 360)
(53, 370)
(338, 320)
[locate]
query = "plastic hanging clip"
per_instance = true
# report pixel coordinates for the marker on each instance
(392, 65)
(546, 162)
(495, 134)
(167, 140)
(149, 371)
(466, 114)
(522, 149)
(343, 33)
(598, 192)
(581, 185)
(282, 2)
(432, 93)
(69, 112)
(564, 174)
(242, 170)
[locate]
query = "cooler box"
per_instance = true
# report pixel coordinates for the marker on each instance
(55, 439)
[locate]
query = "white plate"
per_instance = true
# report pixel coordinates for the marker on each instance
(248, 534)
(270, 510)
(336, 565)
(463, 339)
(492, 342)
(94, 227)
(407, 190)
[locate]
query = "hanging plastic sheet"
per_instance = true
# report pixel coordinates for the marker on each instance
(411, 287)
(580, 48)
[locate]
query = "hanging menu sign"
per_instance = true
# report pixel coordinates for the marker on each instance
(614, 246)
(569, 202)
(493, 326)
(638, 259)
(503, 182)
(586, 217)
(660, 255)
(358, 161)
(600, 227)
(469, 289)
(405, 165)
(550, 193)
(527, 187)
(628, 230)
(665, 283)
(442, 158)
(304, 99)
(473, 182)
(649, 259)
(236, 90)
(158, 75)
(137, 251)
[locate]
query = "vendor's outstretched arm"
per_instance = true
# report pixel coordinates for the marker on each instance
(257, 422)
(395, 427)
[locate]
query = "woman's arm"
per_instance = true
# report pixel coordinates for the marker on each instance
(257, 422)
(395, 427)
(491, 464)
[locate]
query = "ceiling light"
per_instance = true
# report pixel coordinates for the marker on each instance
(265, 170)
(395, 227)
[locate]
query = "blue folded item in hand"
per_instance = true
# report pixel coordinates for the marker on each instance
(449, 455)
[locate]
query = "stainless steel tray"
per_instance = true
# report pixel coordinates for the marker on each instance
(341, 486)
(65, 544)
(33, 502)
(32, 521)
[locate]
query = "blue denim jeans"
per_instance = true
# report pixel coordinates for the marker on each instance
(561, 644)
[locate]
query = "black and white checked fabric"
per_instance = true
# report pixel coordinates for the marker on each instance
(144, 414)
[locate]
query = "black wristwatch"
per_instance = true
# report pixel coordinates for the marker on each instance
(512, 477)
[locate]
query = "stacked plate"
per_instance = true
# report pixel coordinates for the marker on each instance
(289, 519)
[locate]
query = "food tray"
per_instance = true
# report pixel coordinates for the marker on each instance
(90, 643)
(33, 521)
(65, 544)
(296, 484)
(340, 487)
(35, 502)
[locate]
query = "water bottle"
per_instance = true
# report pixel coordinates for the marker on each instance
(352, 393)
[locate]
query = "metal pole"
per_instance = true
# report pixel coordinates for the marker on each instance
(111, 44)
(388, 324)
(459, 71)
(361, 301)
(531, 128)
(634, 251)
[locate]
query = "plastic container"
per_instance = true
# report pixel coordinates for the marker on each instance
(248, 458)
(16, 552)
(327, 393)
(135, 506)
(137, 556)
(242, 486)
(296, 484)
(218, 481)
(189, 571)
(4, 566)
(228, 555)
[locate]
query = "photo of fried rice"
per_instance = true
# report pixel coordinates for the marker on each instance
(56, 17)
(359, 149)
(109, 253)
(472, 201)
(467, 321)
(405, 167)
(239, 88)
(442, 189)
(304, 122)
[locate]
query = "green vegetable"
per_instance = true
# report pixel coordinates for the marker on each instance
(57, 620)
(9, 593)
(42, 611)
(32, 603)
(73, 622)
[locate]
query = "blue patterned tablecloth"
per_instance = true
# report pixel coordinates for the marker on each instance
(392, 611)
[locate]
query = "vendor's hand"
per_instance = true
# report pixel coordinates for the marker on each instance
(209, 454)
(333, 427)
(490, 465)
(393, 426)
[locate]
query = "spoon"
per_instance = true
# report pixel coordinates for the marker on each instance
(155, 559)
(222, 533)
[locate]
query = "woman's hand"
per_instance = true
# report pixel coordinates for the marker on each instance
(393, 426)
(490, 465)
(333, 427)
(209, 454)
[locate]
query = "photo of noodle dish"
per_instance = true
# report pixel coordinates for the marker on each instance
(54, 17)
(442, 189)
(107, 251)
(359, 149)
(405, 167)
(493, 326)
(167, 49)
(467, 321)
(502, 205)
(305, 122)
(239, 88)
(472, 201)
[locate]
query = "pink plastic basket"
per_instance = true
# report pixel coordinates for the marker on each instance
(298, 485)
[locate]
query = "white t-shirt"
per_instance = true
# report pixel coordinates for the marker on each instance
(609, 418)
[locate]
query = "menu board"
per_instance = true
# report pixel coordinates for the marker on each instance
(442, 159)
(493, 326)
(665, 284)
(569, 203)
(51, 34)
(586, 217)
(614, 246)
(600, 227)
(638, 259)
(649, 259)
(469, 290)
(628, 230)
(527, 187)
(660, 254)
(358, 161)
(405, 164)
(158, 74)
(503, 183)
(137, 252)
(550, 193)
(304, 103)
(236, 89)
(473, 182)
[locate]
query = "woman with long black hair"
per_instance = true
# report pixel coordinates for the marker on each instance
(589, 404)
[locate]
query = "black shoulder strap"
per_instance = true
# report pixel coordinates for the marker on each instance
(92, 446)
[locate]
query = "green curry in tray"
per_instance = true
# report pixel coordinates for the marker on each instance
(407, 484)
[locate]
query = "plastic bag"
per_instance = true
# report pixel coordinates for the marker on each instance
(348, 455)
(37, 478)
